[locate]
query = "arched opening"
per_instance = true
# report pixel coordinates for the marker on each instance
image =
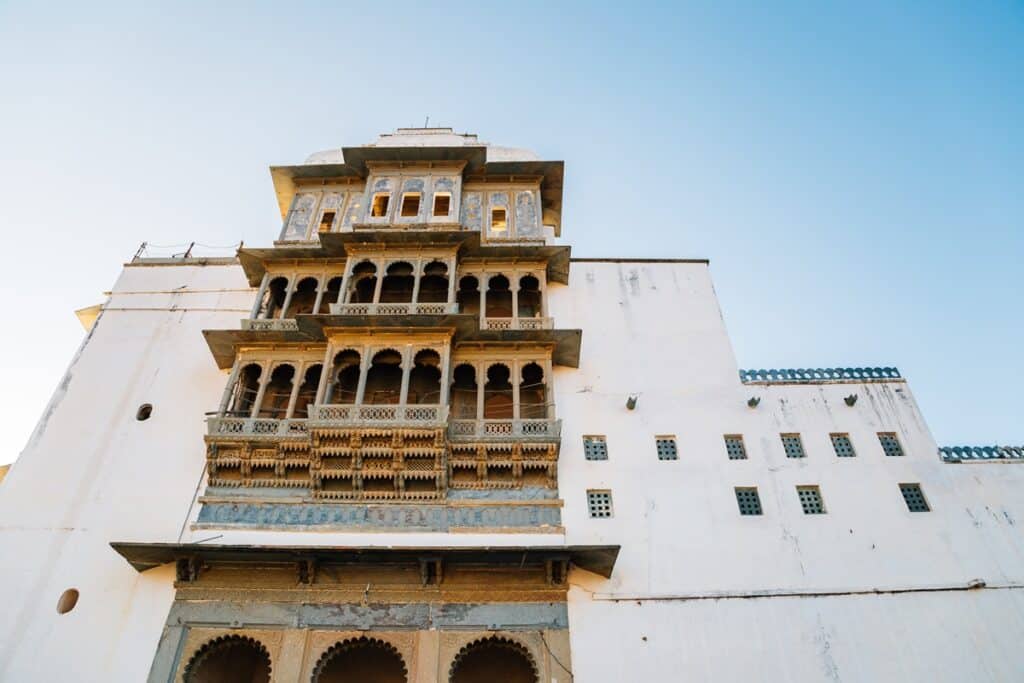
(434, 284)
(469, 295)
(425, 378)
(303, 298)
(278, 392)
(529, 297)
(499, 297)
(330, 295)
(361, 660)
(532, 393)
(384, 380)
(364, 283)
(307, 391)
(498, 393)
(231, 659)
(246, 389)
(398, 283)
(344, 378)
(493, 659)
(464, 392)
(273, 298)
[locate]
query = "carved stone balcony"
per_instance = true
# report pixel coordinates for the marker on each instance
(395, 309)
(272, 325)
(254, 427)
(326, 416)
(518, 323)
(505, 430)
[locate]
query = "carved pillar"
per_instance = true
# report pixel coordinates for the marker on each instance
(260, 293)
(264, 380)
(293, 284)
(514, 286)
(346, 280)
(380, 281)
(549, 404)
(322, 286)
(297, 378)
(325, 374)
(230, 388)
(364, 368)
(481, 380)
(482, 280)
(446, 381)
(452, 277)
(403, 394)
(515, 389)
(416, 280)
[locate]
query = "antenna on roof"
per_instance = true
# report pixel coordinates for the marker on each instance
(426, 124)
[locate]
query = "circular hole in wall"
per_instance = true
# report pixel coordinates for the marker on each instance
(68, 600)
(145, 410)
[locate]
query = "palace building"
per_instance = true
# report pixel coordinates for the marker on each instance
(416, 441)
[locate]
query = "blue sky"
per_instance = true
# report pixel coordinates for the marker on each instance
(854, 171)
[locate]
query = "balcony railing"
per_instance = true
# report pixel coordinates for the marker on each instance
(518, 323)
(272, 325)
(254, 426)
(379, 415)
(505, 429)
(395, 309)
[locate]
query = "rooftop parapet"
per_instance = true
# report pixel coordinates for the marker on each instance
(981, 453)
(816, 375)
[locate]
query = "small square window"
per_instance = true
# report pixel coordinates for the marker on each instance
(748, 500)
(599, 503)
(498, 222)
(842, 445)
(379, 207)
(890, 444)
(595, 448)
(810, 500)
(734, 447)
(666, 446)
(327, 221)
(793, 446)
(914, 498)
(410, 204)
(442, 203)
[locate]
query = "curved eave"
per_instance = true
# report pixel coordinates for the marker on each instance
(599, 559)
(224, 344)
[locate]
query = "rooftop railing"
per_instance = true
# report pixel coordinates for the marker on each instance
(442, 308)
(811, 375)
(981, 453)
(501, 429)
(271, 325)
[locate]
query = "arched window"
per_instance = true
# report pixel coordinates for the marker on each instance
(278, 392)
(384, 379)
(303, 298)
(493, 659)
(532, 393)
(363, 283)
(273, 298)
(307, 391)
(434, 284)
(469, 295)
(499, 298)
(330, 295)
(529, 297)
(231, 659)
(246, 389)
(498, 393)
(344, 378)
(425, 378)
(464, 392)
(360, 660)
(398, 283)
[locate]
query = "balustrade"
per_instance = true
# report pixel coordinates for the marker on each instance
(505, 429)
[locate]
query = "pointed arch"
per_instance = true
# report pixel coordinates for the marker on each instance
(494, 658)
(229, 659)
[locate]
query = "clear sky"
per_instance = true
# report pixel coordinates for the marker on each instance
(854, 171)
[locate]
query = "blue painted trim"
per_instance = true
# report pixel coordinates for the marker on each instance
(980, 453)
(819, 374)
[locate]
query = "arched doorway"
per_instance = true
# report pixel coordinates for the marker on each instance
(231, 659)
(493, 659)
(360, 660)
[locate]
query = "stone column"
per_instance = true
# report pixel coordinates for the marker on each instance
(229, 389)
(321, 286)
(325, 374)
(293, 284)
(346, 280)
(417, 276)
(296, 383)
(264, 380)
(364, 369)
(481, 380)
(446, 381)
(482, 280)
(380, 281)
(514, 286)
(515, 389)
(452, 277)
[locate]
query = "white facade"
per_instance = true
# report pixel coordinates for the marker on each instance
(867, 591)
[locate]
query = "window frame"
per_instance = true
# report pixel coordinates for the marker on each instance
(594, 506)
(668, 439)
(383, 217)
(816, 489)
